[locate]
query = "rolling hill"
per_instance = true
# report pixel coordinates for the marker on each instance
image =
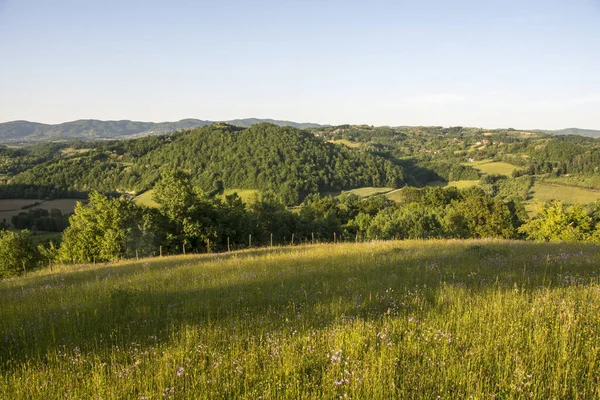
(91, 129)
(286, 160)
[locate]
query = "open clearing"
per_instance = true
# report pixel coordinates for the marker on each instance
(414, 319)
(145, 199)
(493, 167)
(368, 191)
(346, 143)
(11, 207)
(247, 195)
(458, 184)
(542, 192)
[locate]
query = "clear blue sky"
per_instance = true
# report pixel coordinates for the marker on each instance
(489, 63)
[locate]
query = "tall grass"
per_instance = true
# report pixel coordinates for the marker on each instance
(433, 319)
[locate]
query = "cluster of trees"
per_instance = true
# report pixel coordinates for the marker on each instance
(41, 219)
(283, 160)
(110, 228)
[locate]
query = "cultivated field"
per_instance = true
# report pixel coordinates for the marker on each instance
(11, 207)
(541, 192)
(434, 319)
(493, 167)
(588, 182)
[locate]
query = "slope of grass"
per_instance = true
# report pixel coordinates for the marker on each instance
(412, 319)
(459, 184)
(247, 195)
(541, 192)
(587, 182)
(145, 199)
(493, 167)
(368, 191)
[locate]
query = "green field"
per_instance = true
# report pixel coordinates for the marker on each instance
(542, 192)
(458, 184)
(587, 182)
(395, 195)
(368, 191)
(145, 199)
(410, 320)
(247, 195)
(346, 143)
(493, 167)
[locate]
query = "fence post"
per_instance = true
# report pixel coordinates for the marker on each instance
(137, 257)
(50, 264)
(228, 248)
(249, 240)
(183, 246)
(160, 251)
(313, 238)
(271, 239)
(334, 237)
(292, 239)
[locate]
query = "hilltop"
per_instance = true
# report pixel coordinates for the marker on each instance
(91, 129)
(291, 162)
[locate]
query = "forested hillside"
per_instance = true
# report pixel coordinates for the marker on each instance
(92, 129)
(290, 162)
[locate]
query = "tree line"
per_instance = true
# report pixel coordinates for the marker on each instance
(109, 228)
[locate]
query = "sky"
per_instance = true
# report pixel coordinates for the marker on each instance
(496, 64)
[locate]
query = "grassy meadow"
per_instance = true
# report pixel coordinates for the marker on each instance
(493, 167)
(146, 199)
(541, 192)
(368, 191)
(413, 319)
(463, 184)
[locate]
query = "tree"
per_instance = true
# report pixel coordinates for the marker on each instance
(99, 230)
(558, 222)
(16, 253)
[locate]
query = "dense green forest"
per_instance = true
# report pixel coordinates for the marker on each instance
(298, 175)
(288, 161)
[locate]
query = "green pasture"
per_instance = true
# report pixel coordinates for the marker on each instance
(408, 320)
(493, 167)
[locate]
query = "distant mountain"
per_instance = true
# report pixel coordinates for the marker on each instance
(91, 129)
(576, 131)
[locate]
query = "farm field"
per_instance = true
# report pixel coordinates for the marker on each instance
(587, 182)
(541, 192)
(493, 167)
(412, 319)
(11, 207)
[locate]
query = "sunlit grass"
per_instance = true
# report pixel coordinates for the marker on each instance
(146, 199)
(493, 167)
(541, 192)
(247, 195)
(458, 184)
(414, 319)
(368, 191)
